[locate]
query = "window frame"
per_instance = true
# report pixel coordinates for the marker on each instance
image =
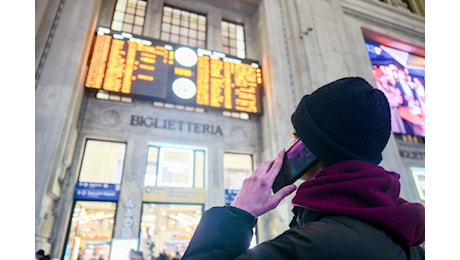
(229, 192)
(228, 48)
(178, 24)
(194, 178)
(119, 21)
(70, 231)
(84, 153)
(420, 185)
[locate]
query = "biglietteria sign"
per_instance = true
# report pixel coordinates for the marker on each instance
(175, 125)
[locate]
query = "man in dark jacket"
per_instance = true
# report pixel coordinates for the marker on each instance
(348, 207)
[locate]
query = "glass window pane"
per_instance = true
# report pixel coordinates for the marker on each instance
(192, 42)
(184, 32)
(231, 27)
(164, 36)
(128, 13)
(129, 18)
(202, 27)
(241, 53)
(139, 21)
(183, 41)
(240, 45)
(117, 25)
(137, 30)
(233, 39)
(168, 228)
(130, 9)
(193, 18)
(175, 20)
(240, 33)
(118, 16)
(183, 26)
(224, 26)
(121, 6)
(132, 3)
(127, 27)
(174, 38)
(184, 23)
(237, 167)
(167, 10)
(201, 44)
(166, 19)
(201, 36)
(166, 27)
(140, 12)
(91, 230)
(176, 13)
(175, 168)
(102, 162)
(175, 29)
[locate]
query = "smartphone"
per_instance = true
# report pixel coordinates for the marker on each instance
(298, 159)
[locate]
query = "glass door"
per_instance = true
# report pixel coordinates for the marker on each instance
(167, 228)
(91, 231)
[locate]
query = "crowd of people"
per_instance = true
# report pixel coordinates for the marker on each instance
(133, 255)
(163, 255)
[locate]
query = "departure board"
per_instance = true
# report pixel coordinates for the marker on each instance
(156, 70)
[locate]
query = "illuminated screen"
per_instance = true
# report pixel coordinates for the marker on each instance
(401, 76)
(157, 70)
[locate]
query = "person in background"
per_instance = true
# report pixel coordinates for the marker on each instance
(347, 207)
(177, 256)
(40, 254)
(163, 255)
(135, 255)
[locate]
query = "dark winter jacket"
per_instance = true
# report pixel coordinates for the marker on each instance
(350, 210)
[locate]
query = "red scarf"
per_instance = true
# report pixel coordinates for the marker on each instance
(364, 191)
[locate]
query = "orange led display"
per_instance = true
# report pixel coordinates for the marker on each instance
(153, 69)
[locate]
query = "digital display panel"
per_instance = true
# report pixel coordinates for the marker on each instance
(401, 77)
(157, 70)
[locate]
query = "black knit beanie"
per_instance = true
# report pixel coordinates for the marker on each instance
(345, 119)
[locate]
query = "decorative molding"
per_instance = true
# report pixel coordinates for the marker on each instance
(287, 48)
(48, 42)
(386, 15)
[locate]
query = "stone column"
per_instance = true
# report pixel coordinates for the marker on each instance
(58, 97)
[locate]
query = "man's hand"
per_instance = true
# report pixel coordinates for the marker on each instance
(255, 195)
